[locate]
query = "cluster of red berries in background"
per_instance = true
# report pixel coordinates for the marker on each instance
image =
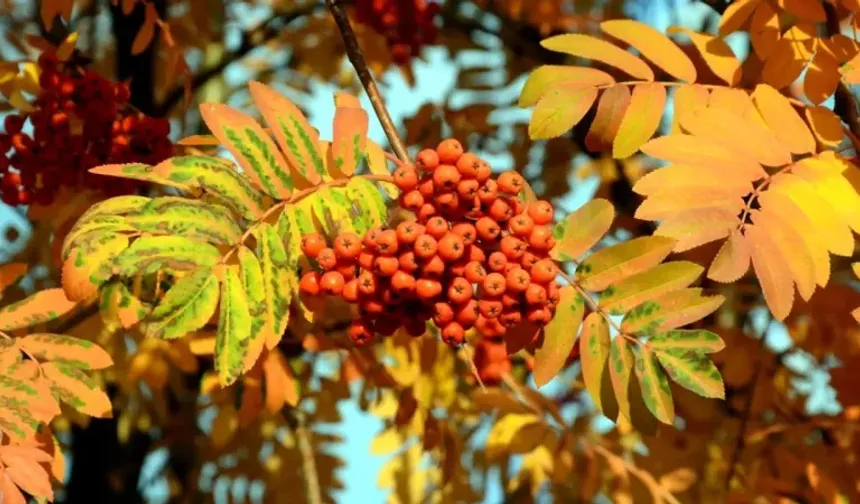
(407, 25)
(475, 255)
(80, 120)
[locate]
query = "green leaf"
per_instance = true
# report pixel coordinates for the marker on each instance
(137, 171)
(559, 335)
(90, 264)
(693, 371)
(299, 142)
(582, 229)
(116, 206)
(671, 310)
(257, 154)
(176, 253)
(654, 385)
(219, 178)
(273, 260)
(251, 274)
(593, 351)
(648, 285)
(378, 164)
(83, 233)
(621, 362)
(607, 266)
(292, 224)
(349, 140)
(195, 219)
(545, 77)
(368, 209)
(331, 209)
(694, 340)
(561, 108)
(234, 328)
(186, 307)
(73, 351)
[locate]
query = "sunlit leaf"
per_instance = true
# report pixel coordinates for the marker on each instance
(544, 77)
(349, 139)
(647, 285)
(593, 351)
(78, 390)
(607, 266)
(561, 108)
(654, 384)
(716, 53)
(693, 371)
(559, 335)
(273, 261)
(611, 107)
(783, 120)
(732, 261)
(176, 253)
(671, 310)
(582, 229)
(234, 328)
(693, 340)
(774, 275)
(641, 119)
(621, 361)
(589, 47)
(253, 284)
(653, 45)
(76, 352)
(186, 307)
(42, 306)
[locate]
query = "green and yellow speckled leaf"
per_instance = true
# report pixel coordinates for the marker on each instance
(276, 273)
(607, 266)
(298, 140)
(186, 307)
(648, 285)
(292, 224)
(368, 209)
(118, 205)
(671, 310)
(195, 219)
(117, 303)
(374, 156)
(594, 350)
(251, 274)
(581, 229)
(217, 177)
(621, 362)
(654, 385)
(559, 335)
(693, 371)
(149, 254)
(252, 147)
(349, 140)
(39, 307)
(73, 351)
(75, 388)
(91, 264)
(83, 232)
(234, 328)
(332, 210)
(137, 171)
(16, 420)
(694, 340)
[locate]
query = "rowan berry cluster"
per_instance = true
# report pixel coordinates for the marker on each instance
(407, 25)
(80, 120)
(475, 255)
(492, 361)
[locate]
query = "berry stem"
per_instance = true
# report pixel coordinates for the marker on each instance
(356, 57)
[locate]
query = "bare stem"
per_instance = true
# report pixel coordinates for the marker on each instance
(309, 463)
(356, 57)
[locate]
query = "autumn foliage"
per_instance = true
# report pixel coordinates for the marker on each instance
(227, 293)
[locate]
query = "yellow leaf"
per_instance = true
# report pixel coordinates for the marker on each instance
(580, 230)
(42, 306)
(822, 77)
(663, 278)
(673, 179)
(764, 30)
(783, 120)
(641, 119)
(546, 76)
(611, 264)
(687, 99)
(697, 227)
(593, 48)
(773, 274)
(825, 125)
(733, 130)
(667, 205)
(791, 249)
(653, 45)
(732, 261)
(692, 150)
(735, 15)
(716, 53)
(67, 47)
(559, 336)
(594, 351)
(804, 9)
(610, 111)
(281, 385)
(678, 480)
(386, 442)
(560, 110)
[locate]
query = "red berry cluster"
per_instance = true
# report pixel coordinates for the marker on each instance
(80, 120)
(475, 256)
(406, 24)
(492, 362)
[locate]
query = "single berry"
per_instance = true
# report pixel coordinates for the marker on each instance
(409, 231)
(360, 333)
(521, 225)
(451, 247)
(427, 160)
(428, 288)
(449, 151)
(386, 242)
(347, 246)
(494, 284)
(443, 314)
(434, 267)
(544, 271)
(332, 283)
(487, 228)
(467, 165)
(312, 244)
(425, 246)
(327, 258)
(541, 212)
(453, 334)
(406, 178)
(310, 283)
(386, 266)
(459, 290)
(475, 272)
(541, 238)
(446, 177)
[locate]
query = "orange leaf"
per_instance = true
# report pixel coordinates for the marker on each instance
(822, 77)
(825, 125)
(764, 30)
(773, 274)
(42, 306)
(11, 273)
(653, 45)
(78, 390)
(596, 49)
(610, 111)
(199, 141)
(785, 63)
(735, 15)
(679, 178)
(783, 120)
(9, 490)
(77, 352)
(716, 53)
(703, 152)
(667, 205)
(641, 119)
(685, 100)
(349, 139)
(281, 385)
(698, 227)
(29, 476)
(67, 46)
(560, 110)
(147, 30)
(792, 251)
(804, 9)
(732, 261)
(728, 128)
(732, 100)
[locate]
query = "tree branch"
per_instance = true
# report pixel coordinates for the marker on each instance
(309, 464)
(356, 57)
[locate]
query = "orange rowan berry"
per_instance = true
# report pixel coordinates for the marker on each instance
(406, 178)
(483, 172)
(426, 187)
(434, 267)
(386, 266)
(391, 298)
(541, 212)
(535, 294)
(366, 283)
(475, 272)
(490, 308)
(428, 288)
(473, 209)
(310, 283)
(475, 253)
(347, 246)
(446, 177)
(437, 227)
(488, 192)
(449, 151)
(512, 247)
(427, 160)
(326, 258)
(510, 318)
(458, 267)
(538, 315)
(312, 244)
(511, 301)
(459, 290)
(412, 200)
(544, 271)
(403, 282)
(443, 313)
(468, 313)
(528, 260)
(426, 211)
(500, 211)
(465, 230)
(487, 228)
(425, 246)
(332, 283)
(552, 294)
(541, 238)
(467, 165)
(497, 261)
(360, 333)
(451, 247)
(347, 269)
(350, 291)
(482, 324)
(511, 182)
(518, 206)
(366, 259)
(370, 237)
(409, 231)
(494, 284)
(446, 201)
(468, 189)
(517, 280)
(408, 262)
(521, 225)
(386, 242)
(453, 334)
